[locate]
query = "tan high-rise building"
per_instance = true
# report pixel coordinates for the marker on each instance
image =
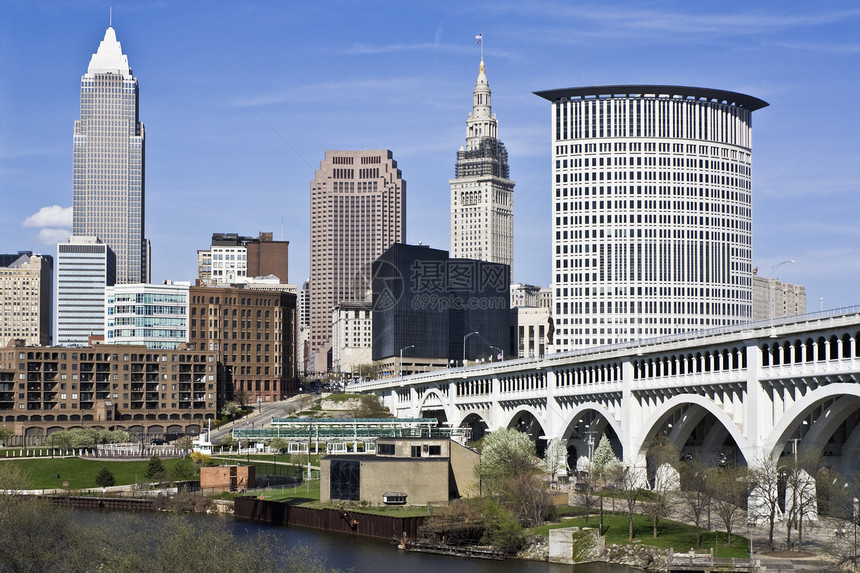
(773, 298)
(26, 287)
(482, 193)
(358, 210)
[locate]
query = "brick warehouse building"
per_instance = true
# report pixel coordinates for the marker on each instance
(253, 334)
(45, 389)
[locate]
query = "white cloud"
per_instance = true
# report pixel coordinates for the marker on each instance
(54, 217)
(54, 236)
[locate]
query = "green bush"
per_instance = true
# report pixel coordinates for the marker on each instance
(502, 529)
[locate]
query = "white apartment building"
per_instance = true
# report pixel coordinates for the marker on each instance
(531, 327)
(352, 336)
(152, 315)
(85, 266)
(652, 211)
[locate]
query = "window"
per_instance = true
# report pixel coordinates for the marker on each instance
(385, 449)
(416, 451)
(345, 480)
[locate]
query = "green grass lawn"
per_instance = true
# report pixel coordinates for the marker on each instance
(80, 473)
(672, 534)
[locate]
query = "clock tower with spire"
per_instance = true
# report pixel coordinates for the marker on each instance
(482, 194)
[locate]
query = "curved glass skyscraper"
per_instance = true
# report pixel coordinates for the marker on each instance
(652, 211)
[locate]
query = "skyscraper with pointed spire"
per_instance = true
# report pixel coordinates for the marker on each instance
(109, 162)
(482, 194)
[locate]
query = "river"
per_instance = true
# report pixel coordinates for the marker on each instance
(367, 554)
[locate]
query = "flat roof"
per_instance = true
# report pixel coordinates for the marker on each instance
(685, 92)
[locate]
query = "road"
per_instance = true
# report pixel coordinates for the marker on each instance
(263, 419)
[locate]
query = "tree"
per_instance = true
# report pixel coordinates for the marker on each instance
(154, 469)
(555, 459)
(585, 486)
(504, 454)
(695, 493)
(730, 495)
(241, 395)
(800, 491)
(38, 537)
(764, 495)
(279, 445)
(606, 468)
(509, 473)
(630, 487)
(5, 435)
(231, 410)
(660, 459)
(105, 478)
(184, 469)
(185, 444)
(201, 459)
(604, 457)
(370, 406)
(13, 479)
(501, 528)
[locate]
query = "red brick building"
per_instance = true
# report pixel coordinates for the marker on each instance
(253, 334)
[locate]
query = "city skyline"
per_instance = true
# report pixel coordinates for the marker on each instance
(241, 103)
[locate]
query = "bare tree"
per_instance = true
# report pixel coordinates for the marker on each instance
(764, 492)
(661, 459)
(695, 494)
(730, 495)
(800, 488)
(585, 483)
(630, 484)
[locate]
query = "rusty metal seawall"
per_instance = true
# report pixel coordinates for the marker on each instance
(343, 521)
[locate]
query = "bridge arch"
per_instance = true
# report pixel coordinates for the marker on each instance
(529, 420)
(661, 417)
(577, 438)
(476, 421)
(450, 415)
(846, 403)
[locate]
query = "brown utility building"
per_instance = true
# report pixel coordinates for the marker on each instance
(228, 478)
(116, 387)
(253, 334)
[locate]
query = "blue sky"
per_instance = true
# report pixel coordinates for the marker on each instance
(241, 100)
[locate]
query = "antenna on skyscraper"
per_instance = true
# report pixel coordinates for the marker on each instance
(110, 20)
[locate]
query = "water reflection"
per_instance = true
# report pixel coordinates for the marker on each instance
(362, 553)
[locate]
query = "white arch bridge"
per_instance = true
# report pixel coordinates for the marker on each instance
(731, 393)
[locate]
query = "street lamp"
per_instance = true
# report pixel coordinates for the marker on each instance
(773, 283)
(464, 346)
(502, 352)
(401, 357)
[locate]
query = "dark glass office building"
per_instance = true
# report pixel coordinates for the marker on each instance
(432, 306)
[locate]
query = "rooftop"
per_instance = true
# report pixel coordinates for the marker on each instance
(682, 92)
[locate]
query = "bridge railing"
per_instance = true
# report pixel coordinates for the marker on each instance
(543, 361)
